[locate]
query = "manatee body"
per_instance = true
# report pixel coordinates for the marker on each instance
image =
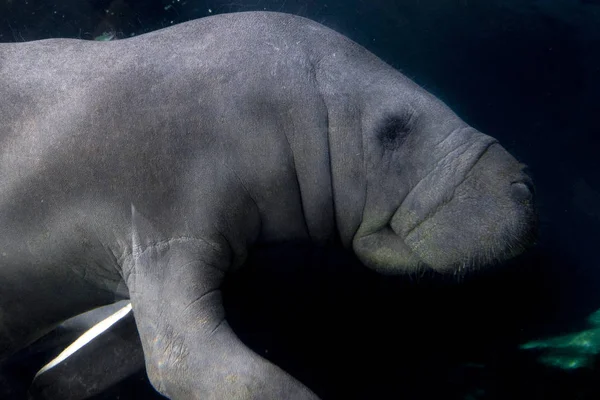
(146, 168)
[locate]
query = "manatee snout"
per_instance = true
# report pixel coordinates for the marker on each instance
(523, 190)
(489, 217)
(470, 211)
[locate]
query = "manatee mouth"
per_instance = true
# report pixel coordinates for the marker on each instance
(479, 217)
(417, 208)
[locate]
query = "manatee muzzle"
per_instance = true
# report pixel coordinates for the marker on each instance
(438, 187)
(469, 215)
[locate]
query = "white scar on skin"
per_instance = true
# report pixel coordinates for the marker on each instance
(87, 337)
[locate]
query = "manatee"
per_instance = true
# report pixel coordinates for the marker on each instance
(146, 168)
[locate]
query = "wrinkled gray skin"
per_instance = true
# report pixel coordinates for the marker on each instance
(147, 167)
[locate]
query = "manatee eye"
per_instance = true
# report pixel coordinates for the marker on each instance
(393, 131)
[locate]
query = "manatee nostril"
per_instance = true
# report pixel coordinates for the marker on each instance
(522, 191)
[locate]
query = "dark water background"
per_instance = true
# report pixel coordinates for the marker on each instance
(526, 72)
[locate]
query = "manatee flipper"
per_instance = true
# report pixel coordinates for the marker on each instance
(190, 350)
(104, 355)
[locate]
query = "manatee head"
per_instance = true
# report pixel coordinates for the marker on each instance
(440, 195)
